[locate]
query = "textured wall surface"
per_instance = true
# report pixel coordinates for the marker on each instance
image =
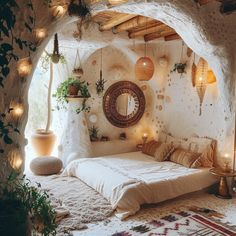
(209, 33)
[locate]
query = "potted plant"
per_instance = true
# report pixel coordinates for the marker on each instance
(80, 88)
(43, 140)
(179, 67)
(93, 133)
(24, 209)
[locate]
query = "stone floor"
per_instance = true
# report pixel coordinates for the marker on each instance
(200, 199)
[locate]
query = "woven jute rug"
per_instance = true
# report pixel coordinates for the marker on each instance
(76, 204)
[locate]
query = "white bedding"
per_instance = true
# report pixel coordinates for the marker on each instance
(130, 179)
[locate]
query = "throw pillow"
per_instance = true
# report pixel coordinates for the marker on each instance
(185, 158)
(163, 151)
(149, 148)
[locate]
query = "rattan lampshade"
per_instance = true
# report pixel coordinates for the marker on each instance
(144, 69)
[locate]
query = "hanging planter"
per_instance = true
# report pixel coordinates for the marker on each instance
(77, 71)
(179, 67)
(100, 84)
(80, 91)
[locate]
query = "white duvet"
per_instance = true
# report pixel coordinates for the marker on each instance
(130, 179)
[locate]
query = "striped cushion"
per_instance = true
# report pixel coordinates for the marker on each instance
(150, 147)
(185, 158)
(163, 152)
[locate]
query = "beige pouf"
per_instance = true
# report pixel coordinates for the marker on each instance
(46, 165)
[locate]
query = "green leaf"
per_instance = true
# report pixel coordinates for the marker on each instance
(5, 71)
(3, 60)
(16, 130)
(4, 29)
(1, 151)
(6, 46)
(1, 81)
(28, 27)
(31, 19)
(7, 139)
(19, 42)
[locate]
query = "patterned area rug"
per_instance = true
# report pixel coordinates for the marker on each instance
(76, 204)
(196, 222)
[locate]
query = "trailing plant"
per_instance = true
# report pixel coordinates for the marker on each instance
(6, 128)
(93, 133)
(30, 201)
(47, 57)
(62, 93)
(179, 67)
(81, 10)
(13, 42)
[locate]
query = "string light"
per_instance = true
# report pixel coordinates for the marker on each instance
(15, 159)
(24, 67)
(40, 34)
(17, 110)
(58, 11)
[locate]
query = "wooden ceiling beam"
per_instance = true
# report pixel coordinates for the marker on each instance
(157, 35)
(172, 37)
(118, 19)
(137, 21)
(152, 29)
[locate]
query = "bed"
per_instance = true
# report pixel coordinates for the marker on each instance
(131, 179)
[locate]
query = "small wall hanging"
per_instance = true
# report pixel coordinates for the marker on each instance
(101, 82)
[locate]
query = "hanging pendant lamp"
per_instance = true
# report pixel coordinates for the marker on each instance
(194, 72)
(144, 68)
(211, 78)
(201, 81)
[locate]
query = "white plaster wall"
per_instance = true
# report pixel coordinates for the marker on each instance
(209, 33)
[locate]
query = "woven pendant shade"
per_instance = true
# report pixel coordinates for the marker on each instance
(144, 69)
(194, 74)
(201, 81)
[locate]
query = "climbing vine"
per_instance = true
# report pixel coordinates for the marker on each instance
(6, 129)
(13, 42)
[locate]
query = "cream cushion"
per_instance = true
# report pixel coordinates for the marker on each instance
(46, 165)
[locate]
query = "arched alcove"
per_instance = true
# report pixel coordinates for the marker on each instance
(202, 28)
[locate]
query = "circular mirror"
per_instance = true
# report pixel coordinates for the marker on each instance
(123, 104)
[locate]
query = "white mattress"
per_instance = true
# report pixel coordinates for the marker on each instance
(130, 179)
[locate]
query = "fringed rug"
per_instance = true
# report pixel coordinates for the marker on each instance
(195, 222)
(76, 204)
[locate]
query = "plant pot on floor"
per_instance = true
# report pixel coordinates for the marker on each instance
(43, 142)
